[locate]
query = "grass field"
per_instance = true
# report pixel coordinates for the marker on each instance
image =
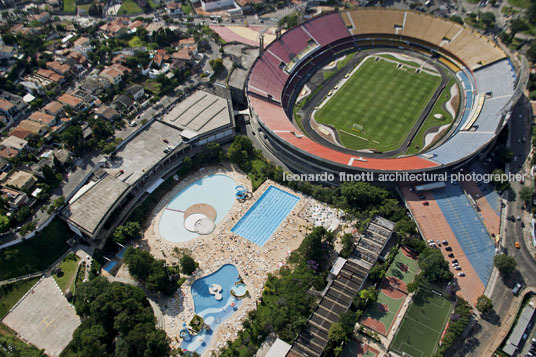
(35, 254)
(524, 4)
(421, 328)
(418, 142)
(385, 100)
(11, 293)
(129, 7)
(69, 5)
(135, 41)
(68, 267)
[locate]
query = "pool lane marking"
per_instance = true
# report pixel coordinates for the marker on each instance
(176, 210)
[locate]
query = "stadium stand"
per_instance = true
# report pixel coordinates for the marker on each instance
(290, 44)
(480, 66)
(327, 29)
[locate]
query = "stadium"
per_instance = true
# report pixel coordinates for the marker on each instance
(418, 93)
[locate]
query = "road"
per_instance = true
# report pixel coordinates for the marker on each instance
(486, 332)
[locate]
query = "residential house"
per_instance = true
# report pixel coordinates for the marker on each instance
(64, 156)
(21, 180)
(95, 85)
(136, 91)
(71, 100)
(112, 74)
(8, 153)
(15, 198)
(43, 118)
(82, 45)
(42, 18)
(136, 24)
(187, 42)
(4, 165)
(6, 52)
(185, 54)
(14, 142)
(33, 87)
(54, 108)
(106, 112)
(216, 5)
(12, 106)
(123, 102)
(27, 128)
(37, 168)
(174, 9)
(51, 75)
(59, 68)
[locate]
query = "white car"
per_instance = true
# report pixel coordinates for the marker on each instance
(461, 274)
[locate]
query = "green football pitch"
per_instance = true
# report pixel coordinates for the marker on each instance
(419, 332)
(385, 100)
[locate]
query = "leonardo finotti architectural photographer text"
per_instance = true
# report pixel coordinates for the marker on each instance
(404, 177)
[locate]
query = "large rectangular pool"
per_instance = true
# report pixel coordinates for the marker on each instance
(263, 218)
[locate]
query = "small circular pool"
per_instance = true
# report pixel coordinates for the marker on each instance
(217, 191)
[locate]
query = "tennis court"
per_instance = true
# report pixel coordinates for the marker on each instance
(380, 315)
(421, 328)
(404, 269)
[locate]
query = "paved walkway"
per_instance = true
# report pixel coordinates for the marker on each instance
(433, 225)
(490, 218)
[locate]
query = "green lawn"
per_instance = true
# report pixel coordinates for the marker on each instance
(385, 100)
(431, 121)
(187, 8)
(68, 267)
(11, 293)
(135, 42)
(8, 337)
(69, 5)
(152, 86)
(35, 254)
(385, 317)
(256, 176)
(129, 7)
(393, 58)
(340, 65)
(421, 328)
(524, 4)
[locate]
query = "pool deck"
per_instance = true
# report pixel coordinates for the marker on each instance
(224, 247)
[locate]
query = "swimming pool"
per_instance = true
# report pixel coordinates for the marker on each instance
(216, 190)
(263, 218)
(109, 266)
(213, 311)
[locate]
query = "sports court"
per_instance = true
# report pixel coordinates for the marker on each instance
(468, 228)
(422, 326)
(380, 315)
(383, 98)
(44, 318)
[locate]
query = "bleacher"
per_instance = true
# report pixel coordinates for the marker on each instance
(267, 78)
(369, 21)
(327, 29)
(459, 146)
(290, 44)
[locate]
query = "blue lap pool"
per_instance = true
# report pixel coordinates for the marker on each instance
(214, 309)
(263, 218)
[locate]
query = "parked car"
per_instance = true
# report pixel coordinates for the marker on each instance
(451, 255)
(517, 289)
(448, 249)
(457, 267)
(461, 273)
(445, 242)
(455, 260)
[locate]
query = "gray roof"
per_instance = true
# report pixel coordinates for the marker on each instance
(134, 89)
(201, 112)
(521, 325)
(91, 204)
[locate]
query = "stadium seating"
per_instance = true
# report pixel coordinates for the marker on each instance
(327, 29)
(290, 44)
(481, 67)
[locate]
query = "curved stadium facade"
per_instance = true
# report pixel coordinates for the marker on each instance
(483, 71)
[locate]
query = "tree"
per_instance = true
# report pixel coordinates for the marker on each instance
(434, 267)
(457, 19)
(369, 294)
(217, 65)
(531, 52)
(95, 10)
(240, 152)
(526, 194)
(484, 304)
(188, 264)
(377, 272)
(4, 223)
(139, 263)
(128, 231)
(405, 227)
(347, 242)
(505, 263)
(109, 147)
(518, 25)
(49, 176)
(487, 19)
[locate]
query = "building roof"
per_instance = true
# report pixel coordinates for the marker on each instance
(110, 73)
(187, 41)
(278, 349)
(14, 142)
(92, 203)
(106, 112)
(5, 104)
(135, 24)
(8, 153)
(533, 107)
(124, 100)
(81, 41)
(201, 112)
(21, 179)
(521, 326)
(68, 99)
(53, 107)
(30, 126)
(58, 67)
(185, 53)
(47, 73)
(134, 89)
(41, 117)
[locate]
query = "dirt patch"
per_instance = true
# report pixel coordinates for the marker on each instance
(455, 102)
